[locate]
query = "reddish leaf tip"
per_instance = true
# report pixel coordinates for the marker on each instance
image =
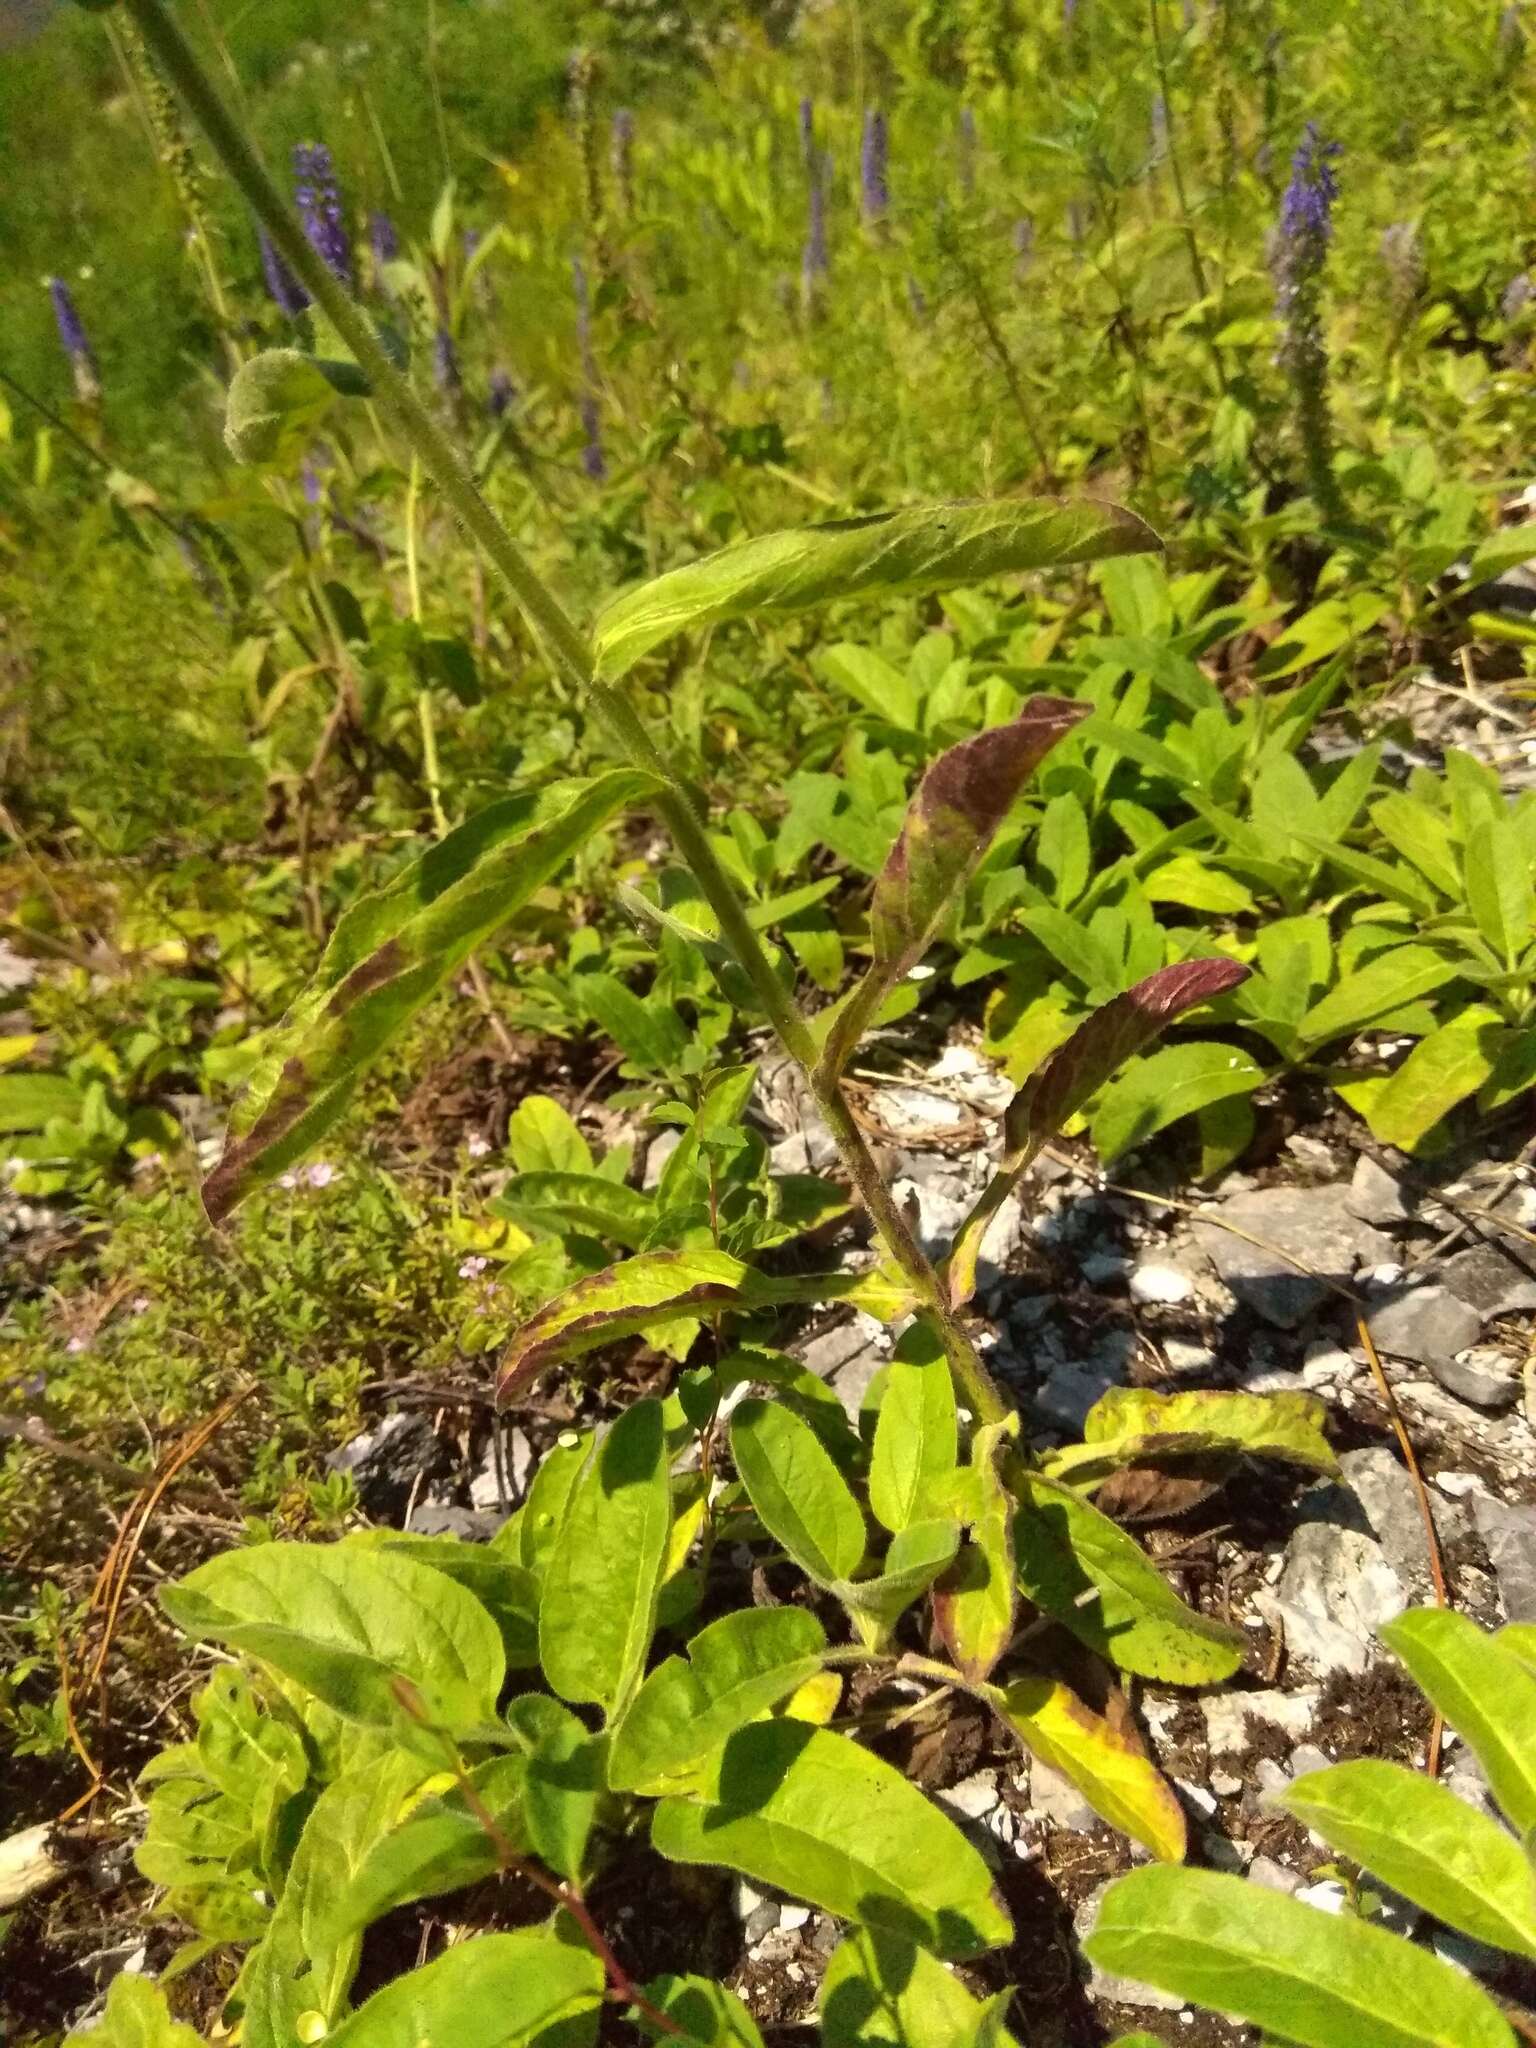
(1187, 982)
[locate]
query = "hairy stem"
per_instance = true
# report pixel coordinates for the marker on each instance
(569, 654)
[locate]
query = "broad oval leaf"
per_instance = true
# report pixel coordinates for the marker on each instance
(619, 1302)
(921, 547)
(283, 393)
(801, 1498)
(597, 1613)
(824, 1820)
(508, 1592)
(1083, 1570)
(916, 1433)
(736, 1669)
(1303, 1975)
(883, 1991)
(563, 1776)
(1120, 1783)
(1484, 1691)
(1177, 1081)
(1426, 1843)
(388, 955)
(1443, 1069)
(347, 1623)
(497, 1991)
(440, 1845)
(137, 2016)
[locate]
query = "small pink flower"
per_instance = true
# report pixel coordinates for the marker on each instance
(139, 1304)
(321, 1174)
(473, 1268)
(288, 1180)
(477, 1147)
(75, 1346)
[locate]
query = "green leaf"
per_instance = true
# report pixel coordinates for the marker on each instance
(619, 1302)
(801, 1498)
(646, 1029)
(497, 1991)
(507, 1591)
(736, 1668)
(440, 1845)
(1119, 1782)
(603, 1575)
(28, 1102)
(1131, 1423)
(813, 1813)
(882, 1991)
(563, 1775)
(1440, 1071)
(1067, 1553)
(915, 1559)
(915, 1439)
(974, 1608)
(1426, 1843)
(549, 1496)
(346, 1623)
(283, 394)
(304, 1965)
(1176, 1081)
(543, 1138)
(137, 2016)
(1486, 1694)
(1422, 835)
(389, 954)
(1499, 894)
(1304, 1975)
(922, 547)
(872, 681)
(583, 1202)
(1062, 848)
(1385, 984)
(1194, 884)
(709, 2014)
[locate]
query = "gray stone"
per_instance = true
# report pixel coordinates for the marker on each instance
(1423, 1323)
(658, 1152)
(1227, 1715)
(1509, 1535)
(1101, 1983)
(387, 1462)
(1335, 1591)
(442, 1518)
(939, 1213)
(1462, 1952)
(1314, 1225)
(486, 1488)
(782, 1098)
(1391, 1507)
(1273, 1876)
(1306, 1758)
(1374, 1196)
(1482, 1376)
(761, 1921)
(1056, 1800)
(974, 1797)
(1490, 1279)
(832, 1348)
(1160, 1284)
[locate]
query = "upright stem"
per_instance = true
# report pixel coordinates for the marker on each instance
(571, 657)
(1180, 191)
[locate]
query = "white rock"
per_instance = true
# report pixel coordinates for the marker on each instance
(1155, 1283)
(1459, 1484)
(1227, 1715)
(1273, 1876)
(974, 1797)
(1329, 1896)
(794, 1917)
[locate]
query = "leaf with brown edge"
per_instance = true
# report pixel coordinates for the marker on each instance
(951, 821)
(919, 547)
(654, 1287)
(1073, 1073)
(1106, 1763)
(389, 954)
(1132, 1424)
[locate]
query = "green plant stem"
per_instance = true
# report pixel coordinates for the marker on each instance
(1181, 192)
(570, 656)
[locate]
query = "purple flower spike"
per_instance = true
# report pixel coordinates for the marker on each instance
(807, 120)
(288, 295)
(1306, 211)
(874, 183)
(383, 240)
(593, 461)
(501, 395)
(967, 151)
(1299, 252)
(815, 262)
(622, 156)
(445, 364)
(77, 347)
(318, 197)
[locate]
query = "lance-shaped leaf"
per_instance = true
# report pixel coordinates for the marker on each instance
(1484, 1691)
(1072, 1074)
(531, 1989)
(1301, 1975)
(687, 1708)
(801, 1498)
(922, 547)
(1078, 1567)
(974, 1608)
(913, 1456)
(655, 1287)
(1129, 1424)
(915, 1559)
(389, 954)
(1104, 1762)
(827, 1821)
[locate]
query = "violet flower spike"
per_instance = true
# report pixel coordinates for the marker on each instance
(501, 395)
(318, 198)
(874, 157)
(446, 373)
(383, 240)
(622, 157)
(807, 125)
(1298, 255)
(287, 294)
(72, 334)
(967, 151)
(593, 461)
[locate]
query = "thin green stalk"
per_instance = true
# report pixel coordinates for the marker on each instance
(1180, 191)
(569, 654)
